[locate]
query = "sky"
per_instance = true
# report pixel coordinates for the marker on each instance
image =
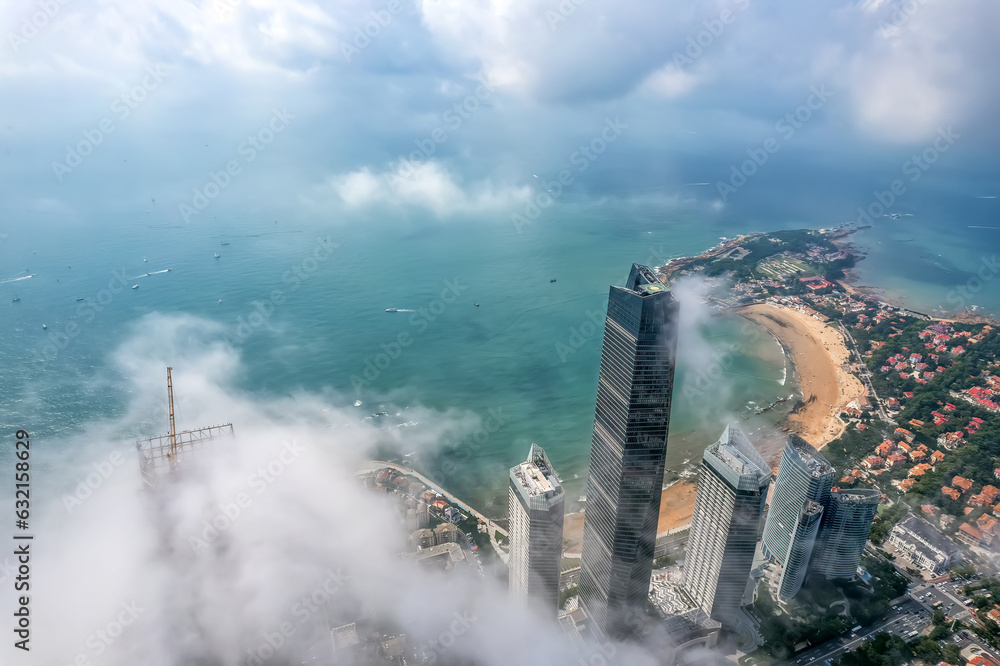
(450, 109)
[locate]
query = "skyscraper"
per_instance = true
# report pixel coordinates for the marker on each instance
(844, 532)
(536, 529)
(732, 489)
(801, 491)
(628, 449)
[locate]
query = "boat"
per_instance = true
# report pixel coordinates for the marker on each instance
(217, 255)
(17, 299)
(552, 280)
(391, 310)
(135, 286)
(144, 260)
(476, 304)
(225, 242)
(357, 403)
(44, 327)
(78, 300)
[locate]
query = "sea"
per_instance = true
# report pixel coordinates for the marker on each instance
(491, 320)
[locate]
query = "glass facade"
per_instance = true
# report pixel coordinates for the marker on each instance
(628, 451)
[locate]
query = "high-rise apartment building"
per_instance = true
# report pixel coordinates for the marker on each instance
(801, 491)
(628, 450)
(844, 532)
(729, 505)
(536, 528)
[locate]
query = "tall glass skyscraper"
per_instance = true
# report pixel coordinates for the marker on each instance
(628, 450)
(732, 489)
(536, 530)
(801, 491)
(844, 532)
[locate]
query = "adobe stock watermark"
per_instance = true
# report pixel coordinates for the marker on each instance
(262, 310)
(86, 486)
(914, 168)
(259, 481)
(581, 158)
(419, 320)
(432, 650)
(32, 25)
(122, 107)
(961, 296)
(365, 34)
(703, 381)
(702, 41)
(101, 640)
(248, 149)
(562, 12)
(902, 12)
(86, 311)
(452, 119)
(785, 128)
(303, 609)
(470, 444)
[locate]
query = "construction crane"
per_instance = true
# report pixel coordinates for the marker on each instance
(163, 453)
(173, 426)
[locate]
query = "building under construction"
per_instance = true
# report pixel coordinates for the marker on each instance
(159, 456)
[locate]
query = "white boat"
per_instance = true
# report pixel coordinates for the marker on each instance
(217, 255)
(391, 310)
(17, 299)
(44, 326)
(357, 403)
(135, 286)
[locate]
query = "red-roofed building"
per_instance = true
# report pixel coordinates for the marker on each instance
(873, 462)
(895, 459)
(948, 491)
(969, 534)
(937, 456)
(886, 447)
(962, 484)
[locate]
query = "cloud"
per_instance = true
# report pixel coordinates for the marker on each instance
(258, 544)
(427, 186)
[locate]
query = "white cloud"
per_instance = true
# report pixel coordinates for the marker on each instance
(428, 185)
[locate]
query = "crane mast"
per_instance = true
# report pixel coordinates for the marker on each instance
(173, 425)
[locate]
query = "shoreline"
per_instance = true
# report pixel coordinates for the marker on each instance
(820, 357)
(821, 372)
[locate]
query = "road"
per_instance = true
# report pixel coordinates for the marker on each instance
(864, 374)
(374, 465)
(909, 617)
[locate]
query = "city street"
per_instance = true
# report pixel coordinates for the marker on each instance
(909, 618)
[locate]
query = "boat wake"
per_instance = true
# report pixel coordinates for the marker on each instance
(18, 279)
(165, 270)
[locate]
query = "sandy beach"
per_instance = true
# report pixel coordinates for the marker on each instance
(820, 356)
(676, 509)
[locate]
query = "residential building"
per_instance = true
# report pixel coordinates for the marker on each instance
(537, 508)
(801, 490)
(928, 549)
(844, 532)
(628, 451)
(729, 505)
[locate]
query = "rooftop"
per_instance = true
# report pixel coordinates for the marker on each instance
(535, 477)
(813, 459)
(736, 454)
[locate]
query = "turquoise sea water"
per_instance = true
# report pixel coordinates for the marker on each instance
(305, 320)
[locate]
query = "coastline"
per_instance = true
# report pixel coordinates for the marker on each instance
(820, 357)
(821, 362)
